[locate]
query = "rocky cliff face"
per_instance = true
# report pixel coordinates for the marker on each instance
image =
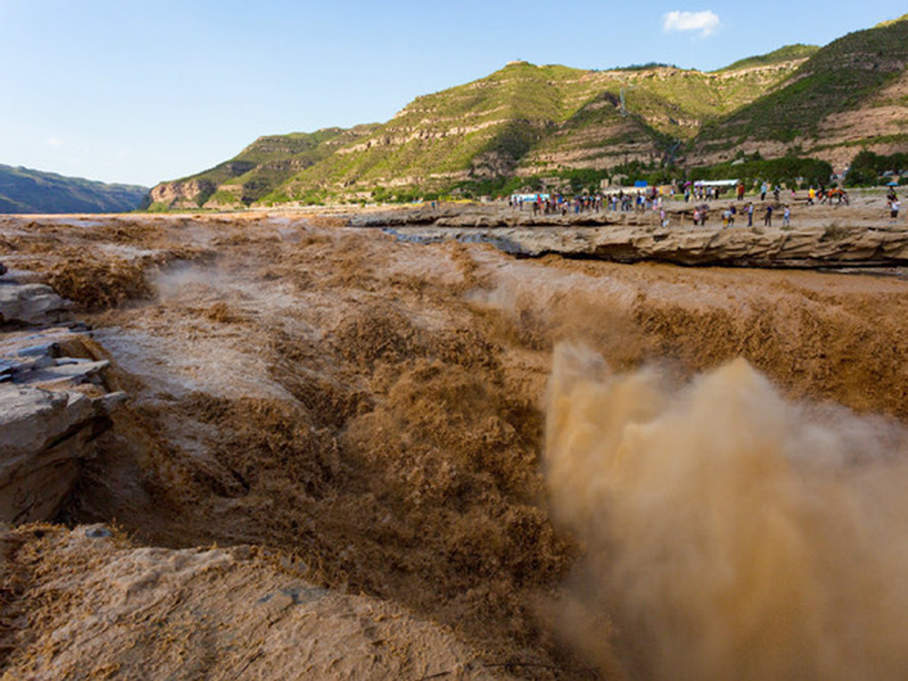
(851, 94)
(54, 400)
(526, 120)
(523, 119)
(255, 172)
(188, 194)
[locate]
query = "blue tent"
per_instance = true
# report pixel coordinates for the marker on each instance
(641, 183)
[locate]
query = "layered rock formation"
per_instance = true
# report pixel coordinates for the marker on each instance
(848, 96)
(754, 247)
(523, 119)
(26, 302)
(54, 400)
(526, 120)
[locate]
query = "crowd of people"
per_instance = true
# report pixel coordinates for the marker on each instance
(642, 200)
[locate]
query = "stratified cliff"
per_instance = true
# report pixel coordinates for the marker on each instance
(525, 120)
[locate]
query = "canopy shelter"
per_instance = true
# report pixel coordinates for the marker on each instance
(717, 183)
(529, 198)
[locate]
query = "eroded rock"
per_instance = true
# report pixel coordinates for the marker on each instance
(52, 406)
(30, 303)
(761, 247)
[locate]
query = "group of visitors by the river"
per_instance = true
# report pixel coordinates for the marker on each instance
(653, 199)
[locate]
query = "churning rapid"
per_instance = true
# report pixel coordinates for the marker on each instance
(428, 435)
(731, 533)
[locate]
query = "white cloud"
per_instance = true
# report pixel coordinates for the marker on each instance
(54, 142)
(706, 22)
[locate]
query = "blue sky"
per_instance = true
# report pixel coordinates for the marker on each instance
(127, 91)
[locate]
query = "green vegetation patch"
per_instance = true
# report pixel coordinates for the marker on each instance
(783, 54)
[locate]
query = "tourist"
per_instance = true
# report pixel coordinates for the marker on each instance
(750, 214)
(894, 206)
(786, 216)
(696, 216)
(740, 191)
(763, 189)
(767, 218)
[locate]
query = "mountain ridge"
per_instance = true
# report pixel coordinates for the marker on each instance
(526, 121)
(26, 190)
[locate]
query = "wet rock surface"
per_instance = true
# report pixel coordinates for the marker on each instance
(23, 301)
(761, 247)
(637, 237)
(52, 405)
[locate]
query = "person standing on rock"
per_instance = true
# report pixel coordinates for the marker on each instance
(767, 218)
(786, 217)
(894, 207)
(750, 214)
(740, 191)
(763, 189)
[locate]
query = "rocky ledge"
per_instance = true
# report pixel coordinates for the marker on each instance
(54, 400)
(753, 247)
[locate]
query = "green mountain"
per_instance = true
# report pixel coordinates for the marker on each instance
(257, 170)
(23, 190)
(783, 54)
(883, 24)
(526, 121)
(851, 93)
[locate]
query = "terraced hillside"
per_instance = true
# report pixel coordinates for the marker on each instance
(521, 120)
(853, 93)
(526, 120)
(256, 171)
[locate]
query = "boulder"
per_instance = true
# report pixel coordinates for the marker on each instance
(31, 303)
(51, 409)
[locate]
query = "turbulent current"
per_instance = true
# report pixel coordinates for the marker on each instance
(533, 468)
(732, 534)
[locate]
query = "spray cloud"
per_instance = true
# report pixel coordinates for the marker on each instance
(729, 533)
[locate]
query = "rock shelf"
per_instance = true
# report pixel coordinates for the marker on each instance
(52, 405)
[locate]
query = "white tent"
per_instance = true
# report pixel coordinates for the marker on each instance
(716, 183)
